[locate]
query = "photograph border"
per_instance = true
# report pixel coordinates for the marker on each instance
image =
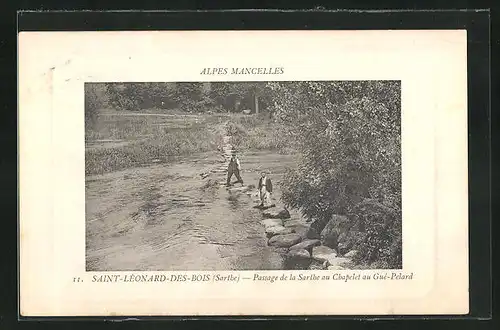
(109, 106)
(477, 25)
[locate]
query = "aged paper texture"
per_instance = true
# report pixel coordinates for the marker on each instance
(127, 138)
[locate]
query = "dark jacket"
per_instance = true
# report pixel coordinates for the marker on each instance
(234, 165)
(269, 185)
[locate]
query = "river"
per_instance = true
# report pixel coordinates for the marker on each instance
(166, 217)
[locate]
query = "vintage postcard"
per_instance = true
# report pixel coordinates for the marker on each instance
(243, 173)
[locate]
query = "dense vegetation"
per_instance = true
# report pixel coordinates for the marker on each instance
(186, 97)
(142, 140)
(349, 136)
(347, 133)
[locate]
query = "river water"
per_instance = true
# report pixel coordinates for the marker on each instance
(165, 216)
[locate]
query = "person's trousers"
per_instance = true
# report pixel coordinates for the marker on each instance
(265, 197)
(230, 173)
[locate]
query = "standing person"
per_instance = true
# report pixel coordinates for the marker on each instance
(265, 187)
(234, 167)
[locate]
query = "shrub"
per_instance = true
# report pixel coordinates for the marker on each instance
(95, 99)
(147, 143)
(349, 139)
(380, 241)
(258, 133)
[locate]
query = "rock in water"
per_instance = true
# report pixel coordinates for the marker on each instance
(331, 232)
(273, 261)
(301, 230)
(277, 230)
(238, 189)
(286, 240)
(316, 265)
(324, 253)
(306, 244)
(298, 259)
(338, 262)
(293, 223)
(298, 254)
(280, 250)
(300, 227)
(272, 222)
(283, 214)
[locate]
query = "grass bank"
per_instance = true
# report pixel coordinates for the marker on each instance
(259, 133)
(117, 142)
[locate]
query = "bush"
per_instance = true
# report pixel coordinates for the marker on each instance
(95, 99)
(379, 242)
(258, 133)
(349, 139)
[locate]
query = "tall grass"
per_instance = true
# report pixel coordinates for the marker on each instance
(130, 127)
(148, 139)
(259, 133)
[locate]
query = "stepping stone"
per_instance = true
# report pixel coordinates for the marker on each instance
(298, 254)
(240, 189)
(297, 259)
(293, 223)
(301, 230)
(272, 222)
(316, 265)
(284, 241)
(307, 244)
(282, 214)
(277, 230)
(324, 254)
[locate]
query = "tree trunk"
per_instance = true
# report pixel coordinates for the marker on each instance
(256, 104)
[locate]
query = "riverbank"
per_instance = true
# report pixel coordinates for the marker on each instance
(177, 214)
(119, 141)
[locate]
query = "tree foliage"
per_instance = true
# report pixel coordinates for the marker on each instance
(187, 96)
(348, 134)
(95, 99)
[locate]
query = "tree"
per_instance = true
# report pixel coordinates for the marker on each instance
(95, 99)
(349, 136)
(125, 96)
(252, 94)
(190, 96)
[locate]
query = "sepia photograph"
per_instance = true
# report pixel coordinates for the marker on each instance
(258, 175)
(324, 176)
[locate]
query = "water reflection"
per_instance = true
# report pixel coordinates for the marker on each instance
(234, 203)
